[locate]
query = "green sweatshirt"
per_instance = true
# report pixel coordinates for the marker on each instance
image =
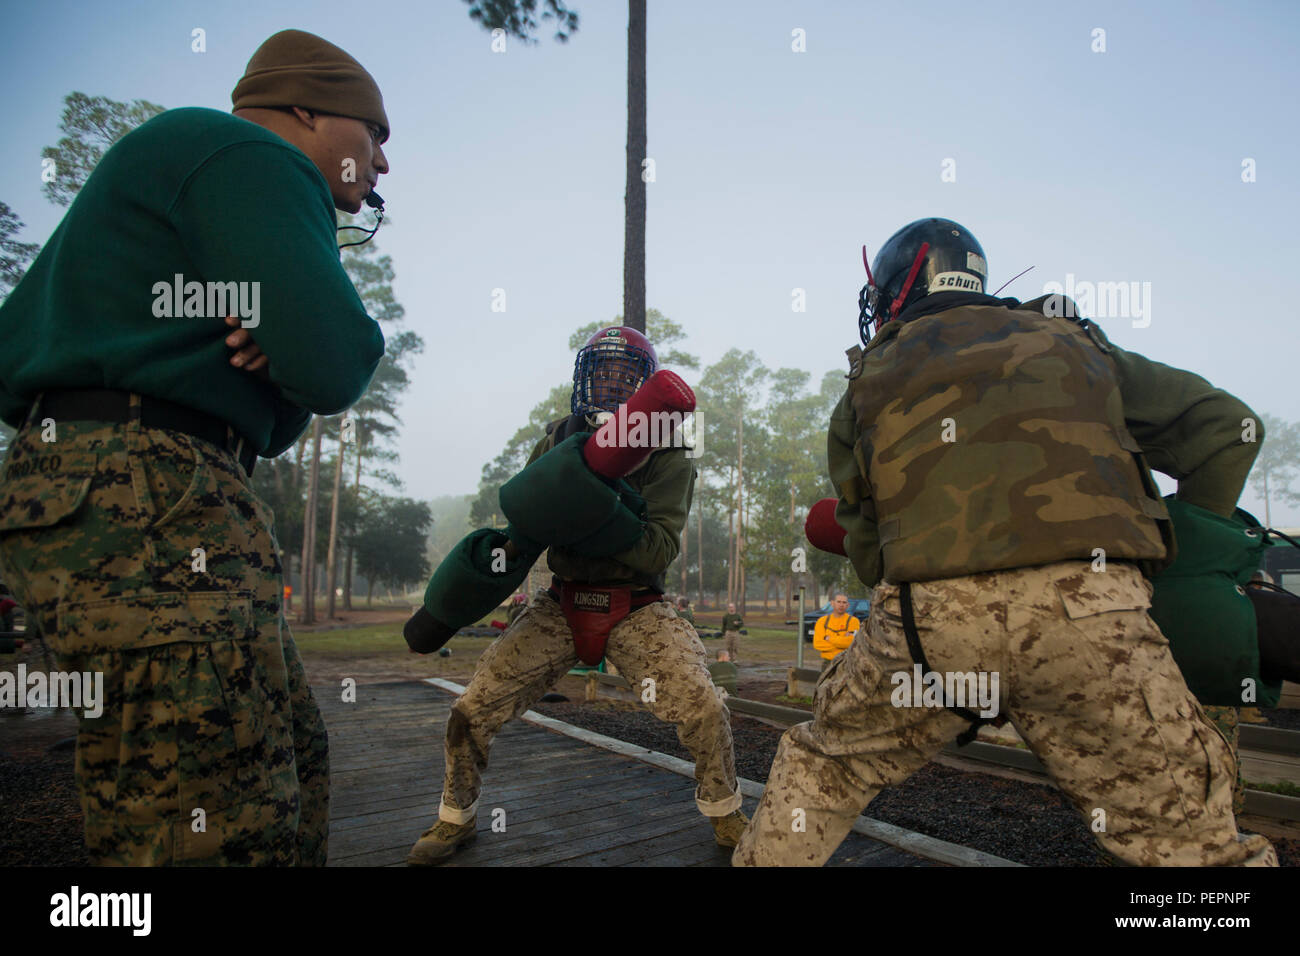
(666, 482)
(200, 194)
(1187, 428)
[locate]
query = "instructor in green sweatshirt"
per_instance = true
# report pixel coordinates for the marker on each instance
(128, 527)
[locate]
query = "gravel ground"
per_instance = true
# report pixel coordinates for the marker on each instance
(1028, 823)
(1282, 719)
(41, 820)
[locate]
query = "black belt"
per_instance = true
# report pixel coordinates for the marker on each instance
(108, 405)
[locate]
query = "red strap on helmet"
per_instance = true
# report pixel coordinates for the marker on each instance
(911, 277)
(870, 278)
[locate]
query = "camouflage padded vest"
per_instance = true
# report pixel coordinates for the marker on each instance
(994, 438)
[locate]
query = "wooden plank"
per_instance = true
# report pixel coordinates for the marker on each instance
(567, 802)
(350, 800)
(673, 835)
(532, 759)
(645, 818)
(405, 825)
(579, 834)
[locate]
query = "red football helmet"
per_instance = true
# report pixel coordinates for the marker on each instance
(609, 369)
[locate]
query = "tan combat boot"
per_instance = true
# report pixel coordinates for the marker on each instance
(440, 841)
(727, 830)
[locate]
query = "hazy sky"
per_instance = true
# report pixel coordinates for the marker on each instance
(772, 168)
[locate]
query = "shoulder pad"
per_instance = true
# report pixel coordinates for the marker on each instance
(855, 361)
(1098, 337)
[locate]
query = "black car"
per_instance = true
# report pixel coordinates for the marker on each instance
(858, 607)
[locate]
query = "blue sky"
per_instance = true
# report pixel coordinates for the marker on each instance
(772, 169)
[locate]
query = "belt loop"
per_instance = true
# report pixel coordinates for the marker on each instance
(234, 447)
(134, 409)
(33, 411)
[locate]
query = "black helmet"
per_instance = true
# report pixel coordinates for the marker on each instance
(922, 258)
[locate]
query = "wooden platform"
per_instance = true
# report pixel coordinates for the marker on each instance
(564, 802)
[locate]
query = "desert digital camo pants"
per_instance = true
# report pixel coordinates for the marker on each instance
(142, 554)
(537, 650)
(1085, 676)
(1228, 720)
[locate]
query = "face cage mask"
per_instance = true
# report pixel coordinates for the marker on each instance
(867, 300)
(869, 304)
(604, 377)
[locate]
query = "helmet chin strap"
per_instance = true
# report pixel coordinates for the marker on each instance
(911, 277)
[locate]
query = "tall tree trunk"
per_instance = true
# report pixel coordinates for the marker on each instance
(699, 552)
(309, 530)
(634, 198)
(731, 535)
(740, 517)
(731, 553)
(298, 481)
(331, 552)
(278, 473)
(356, 483)
(789, 580)
(299, 485)
(686, 540)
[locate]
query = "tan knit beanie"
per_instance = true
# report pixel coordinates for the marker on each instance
(294, 68)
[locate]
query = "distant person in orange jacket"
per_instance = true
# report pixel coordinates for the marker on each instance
(835, 631)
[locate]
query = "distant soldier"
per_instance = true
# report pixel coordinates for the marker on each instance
(684, 610)
(993, 490)
(732, 628)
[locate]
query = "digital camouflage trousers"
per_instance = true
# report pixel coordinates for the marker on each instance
(142, 554)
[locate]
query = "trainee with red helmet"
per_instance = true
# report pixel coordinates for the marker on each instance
(615, 603)
(609, 369)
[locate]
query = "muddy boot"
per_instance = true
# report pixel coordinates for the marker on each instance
(727, 830)
(440, 841)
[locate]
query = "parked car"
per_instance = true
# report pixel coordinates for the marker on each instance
(858, 607)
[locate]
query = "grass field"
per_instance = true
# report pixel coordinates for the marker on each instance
(376, 652)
